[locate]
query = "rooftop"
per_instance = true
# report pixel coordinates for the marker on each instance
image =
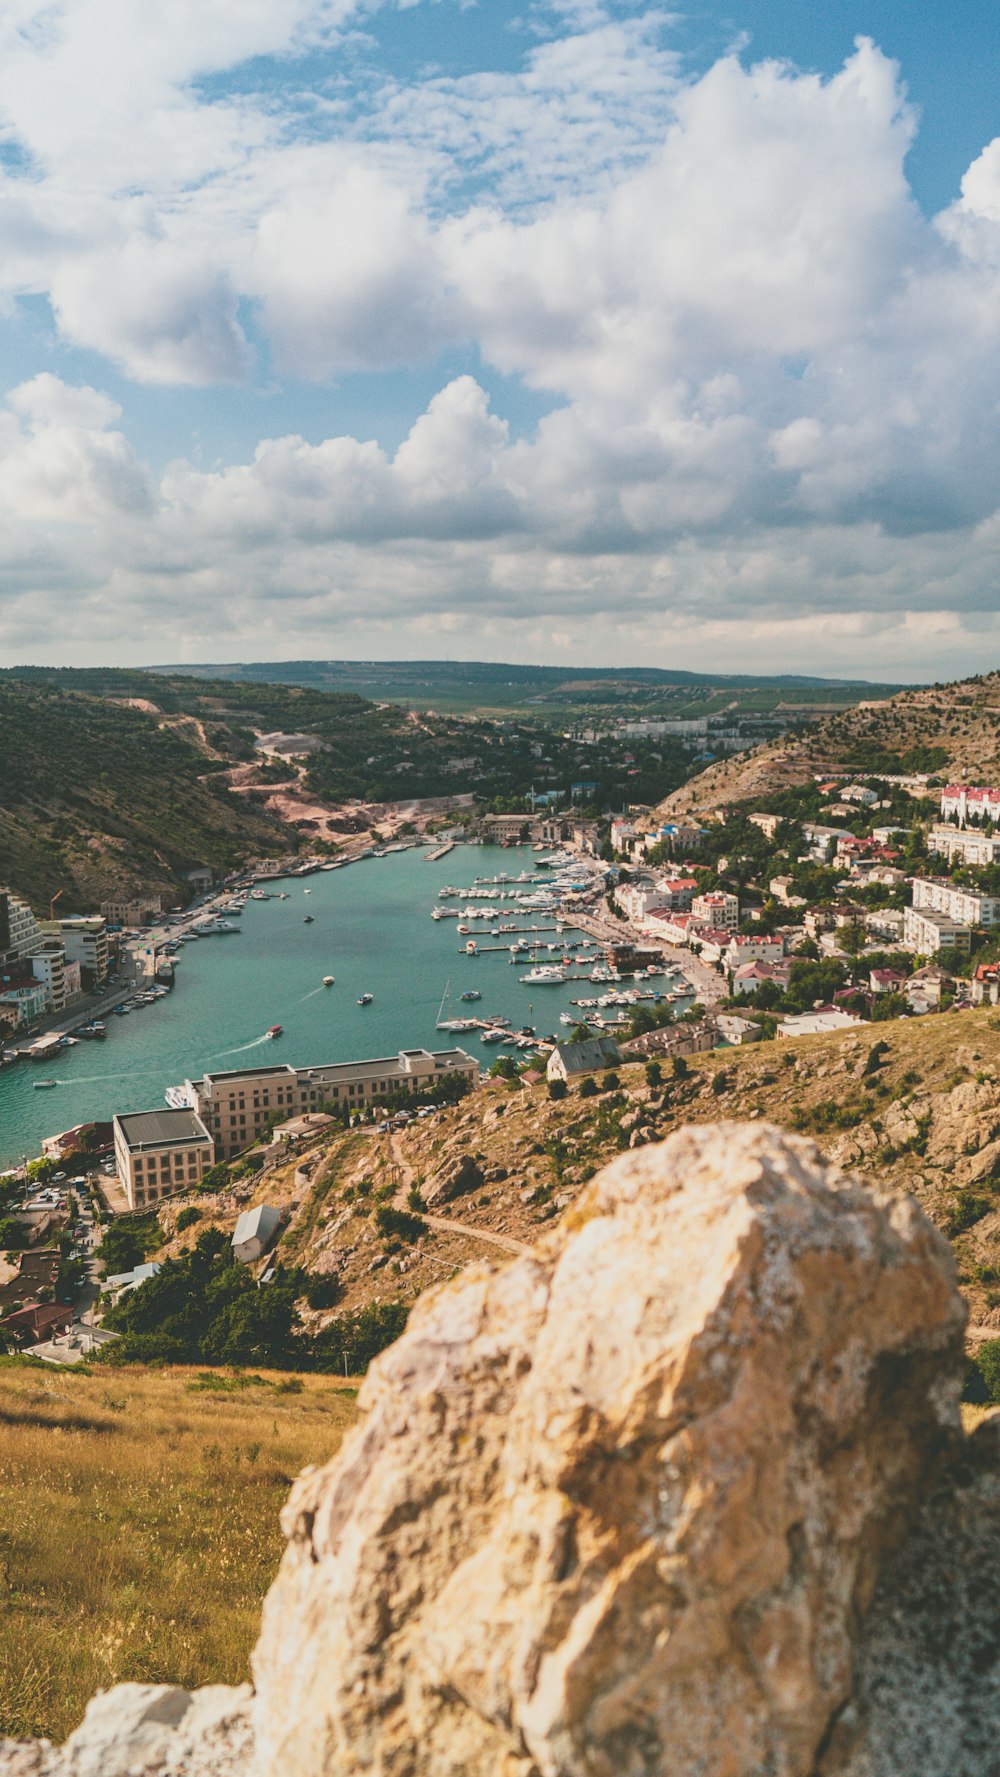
(162, 1129)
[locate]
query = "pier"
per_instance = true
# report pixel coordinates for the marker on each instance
(441, 851)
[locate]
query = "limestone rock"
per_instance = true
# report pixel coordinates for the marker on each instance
(615, 1510)
(148, 1730)
(455, 1178)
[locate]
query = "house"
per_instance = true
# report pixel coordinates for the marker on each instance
(712, 942)
(569, 1060)
(674, 927)
(254, 1231)
(768, 823)
(750, 976)
(985, 985)
(819, 1023)
(124, 1281)
(886, 981)
(859, 793)
(38, 1320)
(738, 1030)
(926, 987)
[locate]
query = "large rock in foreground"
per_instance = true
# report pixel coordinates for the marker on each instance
(619, 1508)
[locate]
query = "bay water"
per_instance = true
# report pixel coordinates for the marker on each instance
(371, 929)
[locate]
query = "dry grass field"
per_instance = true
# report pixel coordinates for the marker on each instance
(139, 1525)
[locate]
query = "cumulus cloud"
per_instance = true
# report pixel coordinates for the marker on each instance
(773, 383)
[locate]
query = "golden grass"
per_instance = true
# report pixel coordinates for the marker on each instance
(139, 1525)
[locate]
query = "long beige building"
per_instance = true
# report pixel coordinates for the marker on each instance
(236, 1106)
(927, 932)
(967, 904)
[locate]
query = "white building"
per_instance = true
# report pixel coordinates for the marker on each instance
(961, 803)
(817, 1024)
(859, 793)
(968, 905)
(48, 965)
(927, 932)
(20, 932)
(967, 843)
(635, 899)
(85, 941)
(719, 910)
(254, 1231)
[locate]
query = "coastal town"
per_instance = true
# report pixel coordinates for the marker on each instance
(849, 903)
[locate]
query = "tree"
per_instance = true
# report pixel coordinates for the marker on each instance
(654, 1073)
(588, 1087)
(41, 1170)
(557, 1089)
(679, 1067)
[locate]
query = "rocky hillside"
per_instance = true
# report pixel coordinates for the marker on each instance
(684, 1489)
(913, 1105)
(945, 729)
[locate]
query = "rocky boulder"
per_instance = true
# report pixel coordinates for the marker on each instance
(618, 1509)
(454, 1178)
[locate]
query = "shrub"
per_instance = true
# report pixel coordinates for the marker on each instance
(967, 1208)
(399, 1222)
(610, 1082)
(588, 1087)
(654, 1073)
(679, 1067)
(982, 1380)
(322, 1289)
(557, 1089)
(187, 1218)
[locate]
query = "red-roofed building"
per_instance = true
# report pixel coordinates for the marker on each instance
(885, 980)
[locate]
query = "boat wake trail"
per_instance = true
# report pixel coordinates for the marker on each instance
(313, 991)
(240, 1048)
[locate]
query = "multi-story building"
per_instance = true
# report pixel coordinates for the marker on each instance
(48, 964)
(719, 910)
(969, 905)
(20, 932)
(138, 912)
(927, 932)
(86, 942)
(21, 991)
(158, 1153)
(236, 1106)
(636, 898)
(676, 892)
(974, 848)
(962, 803)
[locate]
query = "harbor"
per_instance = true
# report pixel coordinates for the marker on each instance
(370, 930)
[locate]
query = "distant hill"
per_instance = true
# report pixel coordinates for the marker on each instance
(949, 730)
(476, 685)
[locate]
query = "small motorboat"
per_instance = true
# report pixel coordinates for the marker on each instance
(327, 980)
(308, 920)
(365, 999)
(276, 1030)
(44, 1085)
(472, 993)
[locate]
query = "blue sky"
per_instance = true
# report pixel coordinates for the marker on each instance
(573, 330)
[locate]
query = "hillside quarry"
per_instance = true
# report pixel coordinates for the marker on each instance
(681, 1489)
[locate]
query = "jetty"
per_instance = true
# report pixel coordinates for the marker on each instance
(440, 851)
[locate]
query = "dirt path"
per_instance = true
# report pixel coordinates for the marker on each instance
(506, 1241)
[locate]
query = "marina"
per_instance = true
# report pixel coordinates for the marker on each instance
(372, 933)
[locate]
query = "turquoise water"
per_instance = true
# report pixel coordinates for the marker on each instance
(372, 930)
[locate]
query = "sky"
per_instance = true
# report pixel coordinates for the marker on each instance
(579, 331)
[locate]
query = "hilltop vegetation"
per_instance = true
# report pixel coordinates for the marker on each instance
(500, 687)
(139, 1525)
(96, 798)
(944, 730)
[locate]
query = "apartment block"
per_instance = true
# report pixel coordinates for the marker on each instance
(974, 848)
(968, 905)
(158, 1153)
(720, 910)
(20, 932)
(927, 932)
(85, 941)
